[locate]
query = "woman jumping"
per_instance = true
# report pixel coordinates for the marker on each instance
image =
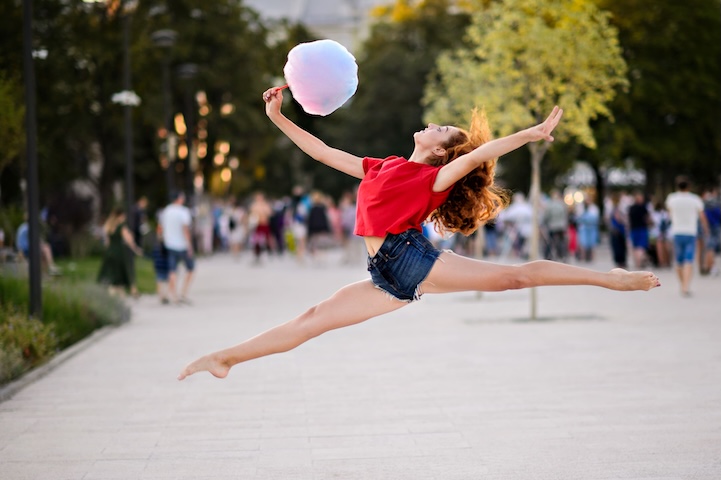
(449, 177)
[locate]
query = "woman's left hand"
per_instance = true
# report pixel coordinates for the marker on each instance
(542, 131)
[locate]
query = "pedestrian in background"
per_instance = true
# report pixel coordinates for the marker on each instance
(176, 222)
(638, 222)
(117, 270)
(555, 222)
(587, 222)
(259, 214)
(659, 235)
(160, 266)
(617, 228)
(686, 210)
(139, 220)
(712, 240)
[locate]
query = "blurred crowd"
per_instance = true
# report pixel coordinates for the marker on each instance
(304, 224)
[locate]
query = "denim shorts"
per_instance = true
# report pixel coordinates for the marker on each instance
(402, 263)
(685, 248)
(176, 256)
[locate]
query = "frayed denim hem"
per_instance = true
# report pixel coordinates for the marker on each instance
(417, 293)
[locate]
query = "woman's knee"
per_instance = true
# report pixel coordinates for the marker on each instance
(309, 324)
(521, 276)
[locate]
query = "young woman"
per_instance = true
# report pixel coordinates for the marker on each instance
(118, 267)
(449, 177)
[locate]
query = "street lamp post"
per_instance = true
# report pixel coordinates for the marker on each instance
(165, 39)
(132, 100)
(187, 72)
(35, 306)
(128, 99)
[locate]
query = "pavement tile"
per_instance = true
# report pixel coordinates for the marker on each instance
(605, 386)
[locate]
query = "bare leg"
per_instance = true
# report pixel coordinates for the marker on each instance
(350, 305)
(172, 277)
(453, 273)
(186, 283)
(685, 271)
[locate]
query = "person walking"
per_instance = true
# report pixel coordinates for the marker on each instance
(587, 222)
(117, 270)
(686, 210)
(176, 223)
(159, 254)
(617, 228)
(639, 220)
(659, 234)
(449, 178)
(712, 241)
(555, 221)
(518, 220)
(139, 220)
(260, 212)
(318, 224)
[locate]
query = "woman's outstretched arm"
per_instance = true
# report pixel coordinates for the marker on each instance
(311, 145)
(460, 167)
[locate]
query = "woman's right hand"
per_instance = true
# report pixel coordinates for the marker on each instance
(273, 98)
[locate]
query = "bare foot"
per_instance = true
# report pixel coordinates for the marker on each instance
(209, 363)
(627, 281)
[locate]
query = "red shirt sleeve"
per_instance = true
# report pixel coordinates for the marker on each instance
(370, 162)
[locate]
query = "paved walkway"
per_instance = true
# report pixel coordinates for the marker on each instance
(606, 386)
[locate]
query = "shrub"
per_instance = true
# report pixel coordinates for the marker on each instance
(71, 311)
(25, 343)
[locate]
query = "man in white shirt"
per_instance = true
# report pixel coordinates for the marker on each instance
(686, 211)
(520, 216)
(176, 222)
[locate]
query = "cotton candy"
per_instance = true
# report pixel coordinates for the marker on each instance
(322, 75)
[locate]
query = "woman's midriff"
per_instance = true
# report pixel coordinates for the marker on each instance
(373, 244)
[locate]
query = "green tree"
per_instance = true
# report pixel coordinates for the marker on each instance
(12, 115)
(80, 68)
(525, 57)
(286, 165)
(228, 43)
(394, 65)
(668, 120)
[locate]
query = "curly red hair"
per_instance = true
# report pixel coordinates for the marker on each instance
(475, 199)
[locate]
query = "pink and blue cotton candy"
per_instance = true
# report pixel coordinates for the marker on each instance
(321, 75)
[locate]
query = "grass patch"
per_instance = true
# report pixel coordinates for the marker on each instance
(85, 270)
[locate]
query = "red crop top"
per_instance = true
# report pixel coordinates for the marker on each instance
(395, 195)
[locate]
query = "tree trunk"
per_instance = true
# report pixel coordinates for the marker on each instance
(537, 153)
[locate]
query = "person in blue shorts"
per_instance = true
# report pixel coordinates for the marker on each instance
(639, 220)
(160, 265)
(687, 212)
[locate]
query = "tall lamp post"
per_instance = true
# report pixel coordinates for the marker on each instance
(128, 99)
(35, 306)
(187, 72)
(165, 39)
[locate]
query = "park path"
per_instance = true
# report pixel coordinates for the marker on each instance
(605, 386)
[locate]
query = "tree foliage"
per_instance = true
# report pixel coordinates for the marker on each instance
(526, 56)
(12, 115)
(79, 126)
(668, 120)
(394, 65)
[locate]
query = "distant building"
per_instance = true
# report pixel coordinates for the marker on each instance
(345, 21)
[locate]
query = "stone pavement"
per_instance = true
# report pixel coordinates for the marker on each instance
(605, 386)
